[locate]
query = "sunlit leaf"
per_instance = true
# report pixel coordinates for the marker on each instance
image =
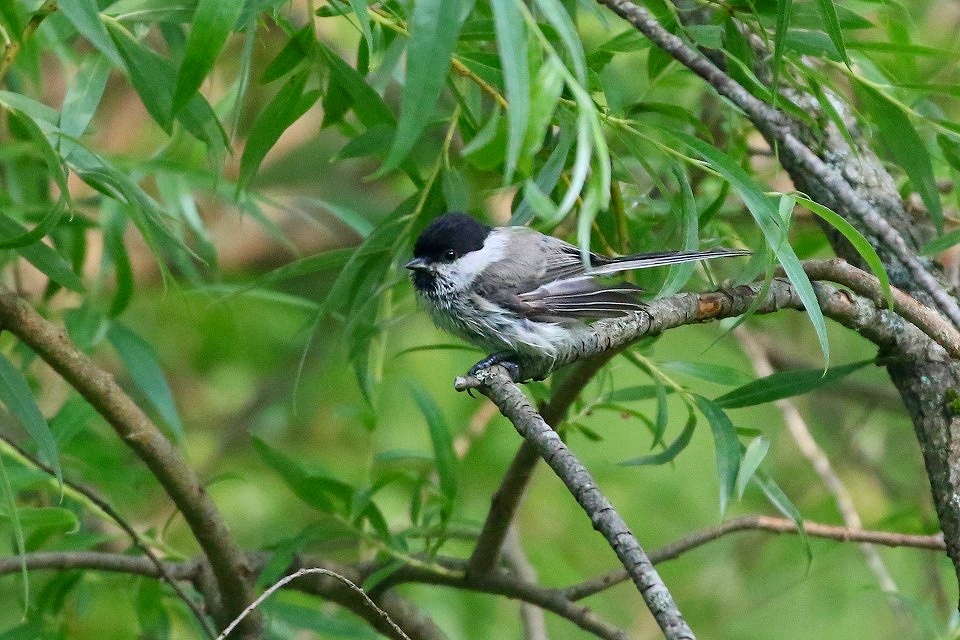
(512, 46)
(434, 26)
(755, 453)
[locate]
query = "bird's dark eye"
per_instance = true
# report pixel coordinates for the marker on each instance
(449, 255)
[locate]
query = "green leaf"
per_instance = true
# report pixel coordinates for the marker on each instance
(831, 24)
(434, 27)
(941, 244)
(727, 446)
(84, 15)
(679, 274)
(752, 457)
(113, 225)
(784, 7)
(320, 491)
(446, 459)
(13, 513)
(672, 450)
(46, 519)
(512, 47)
(16, 396)
(908, 149)
(82, 99)
(298, 48)
(213, 21)
(766, 215)
(561, 21)
(785, 384)
(287, 106)
(369, 106)
(856, 239)
(708, 371)
(784, 505)
(309, 265)
(44, 258)
(140, 361)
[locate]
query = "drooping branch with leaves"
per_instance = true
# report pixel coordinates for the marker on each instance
(214, 374)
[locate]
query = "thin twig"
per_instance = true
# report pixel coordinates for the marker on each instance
(758, 523)
(137, 539)
(306, 571)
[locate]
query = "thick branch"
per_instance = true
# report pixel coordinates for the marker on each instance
(139, 433)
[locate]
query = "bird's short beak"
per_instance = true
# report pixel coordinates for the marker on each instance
(417, 264)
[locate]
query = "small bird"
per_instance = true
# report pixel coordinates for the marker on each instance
(520, 293)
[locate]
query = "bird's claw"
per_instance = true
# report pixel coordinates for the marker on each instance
(501, 358)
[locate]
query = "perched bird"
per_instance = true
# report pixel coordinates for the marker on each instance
(520, 293)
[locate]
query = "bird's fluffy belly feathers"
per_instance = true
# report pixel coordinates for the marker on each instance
(490, 326)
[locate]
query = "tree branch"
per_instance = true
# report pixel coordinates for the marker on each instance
(758, 523)
(514, 405)
(779, 131)
(506, 499)
(142, 436)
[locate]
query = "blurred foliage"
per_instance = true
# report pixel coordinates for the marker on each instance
(214, 199)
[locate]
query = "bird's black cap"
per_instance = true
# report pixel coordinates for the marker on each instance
(455, 232)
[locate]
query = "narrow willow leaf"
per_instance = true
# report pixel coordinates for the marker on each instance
(672, 450)
(752, 457)
(784, 505)
(322, 492)
(362, 12)
(727, 445)
(141, 362)
(679, 274)
(16, 396)
(543, 207)
(784, 7)
(290, 103)
(47, 519)
(512, 47)
(369, 106)
(84, 15)
(298, 48)
(908, 149)
(82, 99)
(446, 459)
(434, 27)
(856, 239)
(562, 22)
(768, 219)
(13, 513)
(212, 22)
(309, 265)
(113, 224)
(831, 24)
(549, 84)
(785, 384)
(708, 371)
(50, 157)
(941, 244)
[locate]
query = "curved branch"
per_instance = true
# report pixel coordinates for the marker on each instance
(758, 523)
(142, 436)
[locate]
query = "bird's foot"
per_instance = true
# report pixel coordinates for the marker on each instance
(502, 358)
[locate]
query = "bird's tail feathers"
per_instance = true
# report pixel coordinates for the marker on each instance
(649, 260)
